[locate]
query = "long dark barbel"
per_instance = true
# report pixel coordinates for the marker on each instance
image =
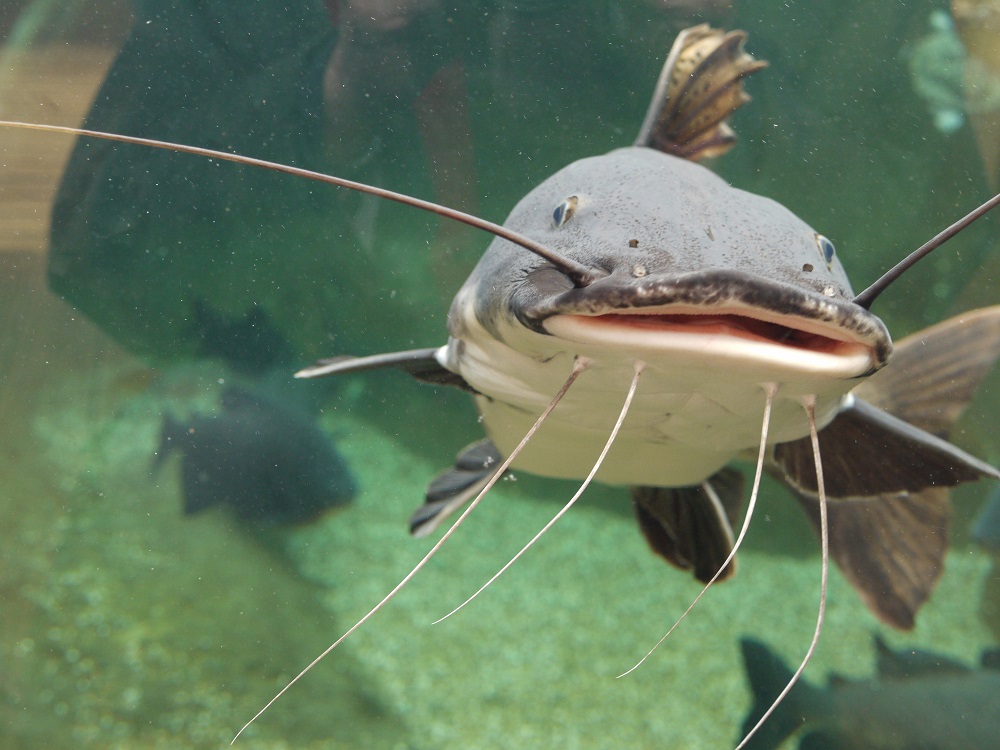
(580, 275)
(867, 297)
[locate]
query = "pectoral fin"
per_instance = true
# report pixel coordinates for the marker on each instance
(934, 373)
(868, 452)
(887, 473)
(420, 363)
(890, 548)
(474, 466)
(692, 527)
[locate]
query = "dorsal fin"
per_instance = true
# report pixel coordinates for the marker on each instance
(700, 86)
(909, 663)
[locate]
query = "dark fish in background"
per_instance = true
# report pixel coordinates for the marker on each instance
(269, 462)
(917, 700)
(250, 344)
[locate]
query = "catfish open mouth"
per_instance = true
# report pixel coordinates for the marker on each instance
(726, 324)
(729, 313)
(722, 338)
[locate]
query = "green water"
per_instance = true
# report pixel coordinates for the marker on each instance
(125, 624)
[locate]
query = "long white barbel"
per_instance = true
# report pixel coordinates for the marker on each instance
(639, 366)
(770, 389)
(809, 403)
(579, 365)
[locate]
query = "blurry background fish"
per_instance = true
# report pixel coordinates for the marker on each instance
(915, 700)
(978, 25)
(266, 460)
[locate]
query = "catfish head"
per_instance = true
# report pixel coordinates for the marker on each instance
(717, 290)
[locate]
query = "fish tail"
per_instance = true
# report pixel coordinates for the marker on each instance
(768, 675)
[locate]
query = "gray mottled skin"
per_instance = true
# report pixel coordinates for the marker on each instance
(699, 241)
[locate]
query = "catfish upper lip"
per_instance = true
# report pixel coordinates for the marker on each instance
(711, 292)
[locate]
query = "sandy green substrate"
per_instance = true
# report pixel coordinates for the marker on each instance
(532, 663)
(136, 627)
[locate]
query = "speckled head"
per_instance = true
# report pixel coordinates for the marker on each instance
(673, 244)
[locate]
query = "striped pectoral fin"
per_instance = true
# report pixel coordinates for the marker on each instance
(474, 466)
(891, 548)
(692, 527)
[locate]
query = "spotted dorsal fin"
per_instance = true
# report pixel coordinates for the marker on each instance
(700, 86)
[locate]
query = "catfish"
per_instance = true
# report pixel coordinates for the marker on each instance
(727, 326)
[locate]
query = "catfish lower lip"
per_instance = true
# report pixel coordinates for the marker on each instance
(726, 325)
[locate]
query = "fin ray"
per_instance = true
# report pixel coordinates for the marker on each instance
(692, 527)
(868, 452)
(890, 548)
(699, 88)
(422, 364)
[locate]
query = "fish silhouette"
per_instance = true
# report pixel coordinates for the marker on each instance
(251, 344)
(917, 699)
(269, 462)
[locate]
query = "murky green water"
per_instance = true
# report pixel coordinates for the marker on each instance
(124, 623)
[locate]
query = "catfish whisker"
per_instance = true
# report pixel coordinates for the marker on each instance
(639, 366)
(809, 403)
(770, 389)
(579, 365)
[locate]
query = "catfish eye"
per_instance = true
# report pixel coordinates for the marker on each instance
(564, 211)
(826, 249)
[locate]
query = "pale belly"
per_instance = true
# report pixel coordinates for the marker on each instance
(674, 435)
(693, 412)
